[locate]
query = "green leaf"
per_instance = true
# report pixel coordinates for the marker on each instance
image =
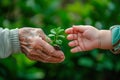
(60, 30)
(58, 41)
(53, 31)
(51, 35)
(61, 36)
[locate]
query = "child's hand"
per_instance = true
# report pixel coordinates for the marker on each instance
(83, 38)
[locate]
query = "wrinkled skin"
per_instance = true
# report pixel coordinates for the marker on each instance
(35, 44)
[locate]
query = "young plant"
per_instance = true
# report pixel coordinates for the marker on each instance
(56, 36)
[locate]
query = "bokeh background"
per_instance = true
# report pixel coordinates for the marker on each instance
(48, 14)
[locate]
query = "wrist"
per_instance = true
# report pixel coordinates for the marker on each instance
(105, 41)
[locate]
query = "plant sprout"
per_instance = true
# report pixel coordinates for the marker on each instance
(56, 35)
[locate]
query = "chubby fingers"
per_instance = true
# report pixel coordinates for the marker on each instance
(77, 28)
(76, 49)
(69, 30)
(72, 36)
(73, 43)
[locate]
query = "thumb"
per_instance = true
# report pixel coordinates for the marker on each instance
(80, 28)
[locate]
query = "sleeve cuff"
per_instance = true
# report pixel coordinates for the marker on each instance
(14, 37)
(115, 39)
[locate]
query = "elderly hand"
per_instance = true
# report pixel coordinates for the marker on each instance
(34, 43)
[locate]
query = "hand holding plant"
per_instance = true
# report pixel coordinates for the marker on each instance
(35, 46)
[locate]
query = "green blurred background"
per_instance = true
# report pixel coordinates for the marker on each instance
(48, 14)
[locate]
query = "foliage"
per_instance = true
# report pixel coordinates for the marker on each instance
(48, 14)
(56, 35)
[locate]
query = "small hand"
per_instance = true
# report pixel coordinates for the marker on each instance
(34, 43)
(83, 38)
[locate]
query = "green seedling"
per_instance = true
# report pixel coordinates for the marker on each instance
(56, 36)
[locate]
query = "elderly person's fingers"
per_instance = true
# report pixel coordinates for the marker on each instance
(48, 49)
(36, 50)
(33, 55)
(25, 49)
(38, 55)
